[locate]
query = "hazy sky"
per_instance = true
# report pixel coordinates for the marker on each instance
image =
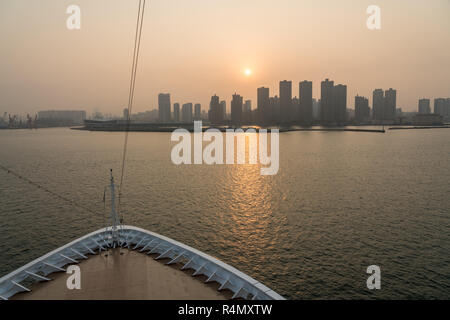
(196, 48)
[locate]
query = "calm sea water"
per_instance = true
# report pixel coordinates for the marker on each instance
(340, 202)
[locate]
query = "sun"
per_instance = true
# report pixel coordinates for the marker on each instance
(248, 72)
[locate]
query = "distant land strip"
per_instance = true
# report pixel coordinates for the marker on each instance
(414, 128)
(222, 129)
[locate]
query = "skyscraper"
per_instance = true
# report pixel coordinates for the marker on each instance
(439, 106)
(197, 111)
(295, 109)
(447, 109)
(378, 105)
(424, 106)
(316, 109)
(274, 103)
(215, 111)
(390, 104)
(164, 107)
(236, 109)
(362, 110)
(176, 112)
(247, 112)
(442, 107)
(263, 105)
(247, 106)
(326, 101)
(384, 104)
(286, 100)
(186, 113)
(223, 107)
(340, 103)
(306, 101)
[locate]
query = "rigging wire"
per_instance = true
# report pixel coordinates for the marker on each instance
(39, 186)
(137, 44)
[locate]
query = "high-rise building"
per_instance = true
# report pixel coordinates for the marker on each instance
(442, 107)
(263, 105)
(186, 113)
(439, 106)
(316, 109)
(164, 107)
(362, 110)
(247, 106)
(197, 111)
(447, 110)
(384, 105)
(424, 106)
(176, 112)
(223, 107)
(333, 102)
(340, 103)
(247, 112)
(215, 111)
(295, 109)
(274, 103)
(327, 114)
(378, 105)
(306, 101)
(390, 104)
(236, 109)
(286, 101)
(125, 113)
(204, 115)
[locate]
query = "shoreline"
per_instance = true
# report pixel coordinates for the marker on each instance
(419, 127)
(223, 129)
(171, 129)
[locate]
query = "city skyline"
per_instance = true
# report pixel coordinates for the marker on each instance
(330, 109)
(284, 109)
(170, 102)
(46, 66)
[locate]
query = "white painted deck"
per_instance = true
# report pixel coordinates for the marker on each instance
(144, 241)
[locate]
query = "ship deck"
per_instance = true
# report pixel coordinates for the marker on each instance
(138, 264)
(124, 274)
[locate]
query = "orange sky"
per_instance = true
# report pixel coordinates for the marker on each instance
(196, 48)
